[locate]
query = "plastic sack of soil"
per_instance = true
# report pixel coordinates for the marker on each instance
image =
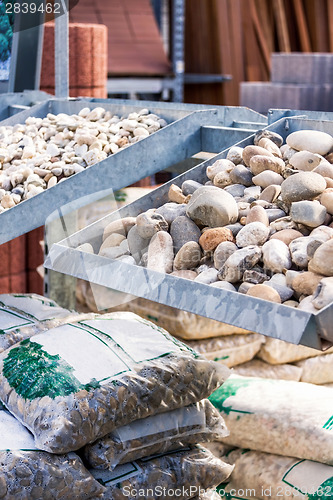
(76, 383)
(257, 368)
(180, 474)
(230, 350)
(277, 352)
(278, 416)
(24, 315)
(27, 473)
(317, 370)
(200, 422)
(262, 475)
(185, 325)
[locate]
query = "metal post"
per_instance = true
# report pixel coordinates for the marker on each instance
(178, 30)
(61, 56)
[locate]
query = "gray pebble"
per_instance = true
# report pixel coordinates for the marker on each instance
(207, 277)
(171, 210)
(223, 252)
(236, 190)
(182, 230)
(302, 186)
(188, 187)
(212, 206)
(309, 213)
(241, 175)
(284, 291)
(137, 245)
(274, 214)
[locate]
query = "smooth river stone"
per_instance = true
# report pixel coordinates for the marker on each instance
(269, 134)
(119, 226)
(270, 145)
(252, 192)
(207, 277)
(284, 291)
(306, 283)
(170, 211)
(309, 213)
(264, 292)
(323, 233)
(160, 253)
(304, 160)
(113, 240)
(322, 261)
(250, 151)
(236, 190)
(286, 235)
(213, 207)
(302, 186)
(276, 256)
(211, 238)
(257, 214)
(326, 199)
(254, 233)
(188, 257)
(260, 163)
(266, 178)
(223, 252)
(188, 187)
(241, 175)
(270, 193)
(310, 140)
(182, 230)
(234, 267)
(137, 245)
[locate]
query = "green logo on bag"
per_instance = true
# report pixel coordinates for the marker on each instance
(228, 389)
(34, 373)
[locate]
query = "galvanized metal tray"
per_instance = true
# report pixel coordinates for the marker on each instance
(271, 319)
(190, 129)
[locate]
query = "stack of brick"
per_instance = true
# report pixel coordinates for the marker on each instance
(13, 274)
(87, 60)
(298, 81)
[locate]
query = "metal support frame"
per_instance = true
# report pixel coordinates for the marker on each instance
(27, 49)
(177, 50)
(61, 56)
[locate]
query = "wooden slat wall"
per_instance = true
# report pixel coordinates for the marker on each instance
(236, 37)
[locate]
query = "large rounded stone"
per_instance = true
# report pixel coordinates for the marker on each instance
(260, 163)
(119, 226)
(211, 238)
(234, 267)
(219, 167)
(188, 257)
(182, 230)
(310, 140)
(149, 223)
(160, 253)
(254, 233)
(299, 251)
(213, 207)
(276, 256)
(188, 187)
(325, 169)
(137, 245)
(309, 213)
(302, 186)
(207, 277)
(322, 262)
(306, 283)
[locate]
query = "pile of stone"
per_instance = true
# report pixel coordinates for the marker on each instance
(261, 225)
(109, 389)
(42, 152)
